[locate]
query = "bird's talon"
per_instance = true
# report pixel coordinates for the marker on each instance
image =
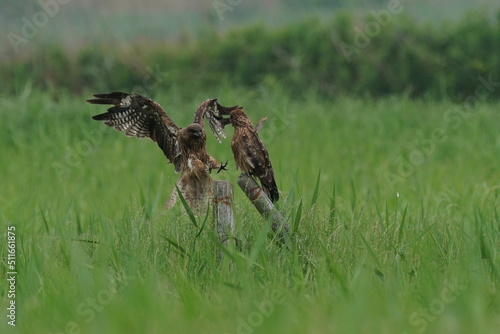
(222, 167)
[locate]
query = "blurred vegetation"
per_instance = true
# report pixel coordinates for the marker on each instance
(336, 57)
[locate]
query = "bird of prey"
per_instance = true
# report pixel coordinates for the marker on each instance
(185, 148)
(249, 152)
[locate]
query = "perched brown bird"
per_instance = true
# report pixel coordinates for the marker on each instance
(249, 152)
(185, 148)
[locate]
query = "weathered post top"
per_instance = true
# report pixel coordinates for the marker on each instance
(223, 210)
(263, 204)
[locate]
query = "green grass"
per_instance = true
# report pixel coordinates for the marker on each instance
(97, 253)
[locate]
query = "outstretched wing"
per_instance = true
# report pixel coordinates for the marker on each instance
(213, 111)
(141, 117)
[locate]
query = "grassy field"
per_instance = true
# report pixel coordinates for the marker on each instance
(394, 204)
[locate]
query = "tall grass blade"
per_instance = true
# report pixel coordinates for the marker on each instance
(332, 268)
(402, 225)
(186, 207)
(174, 244)
(353, 196)
(204, 222)
(298, 217)
(486, 252)
(315, 195)
(333, 200)
(260, 241)
(45, 221)
(371, 252)
(224, 249)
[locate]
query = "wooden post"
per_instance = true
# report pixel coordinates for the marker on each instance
(223, 210)
(264, 205)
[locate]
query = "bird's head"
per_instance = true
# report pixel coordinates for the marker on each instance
(192, 138)
(237, 117)
(195, 131)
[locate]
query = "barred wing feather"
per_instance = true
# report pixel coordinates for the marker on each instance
(140, 117)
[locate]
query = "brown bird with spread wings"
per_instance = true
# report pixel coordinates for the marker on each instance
(249, 152)
(185, 148)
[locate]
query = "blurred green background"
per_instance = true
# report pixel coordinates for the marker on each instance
(383, 130)
(433, 49)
